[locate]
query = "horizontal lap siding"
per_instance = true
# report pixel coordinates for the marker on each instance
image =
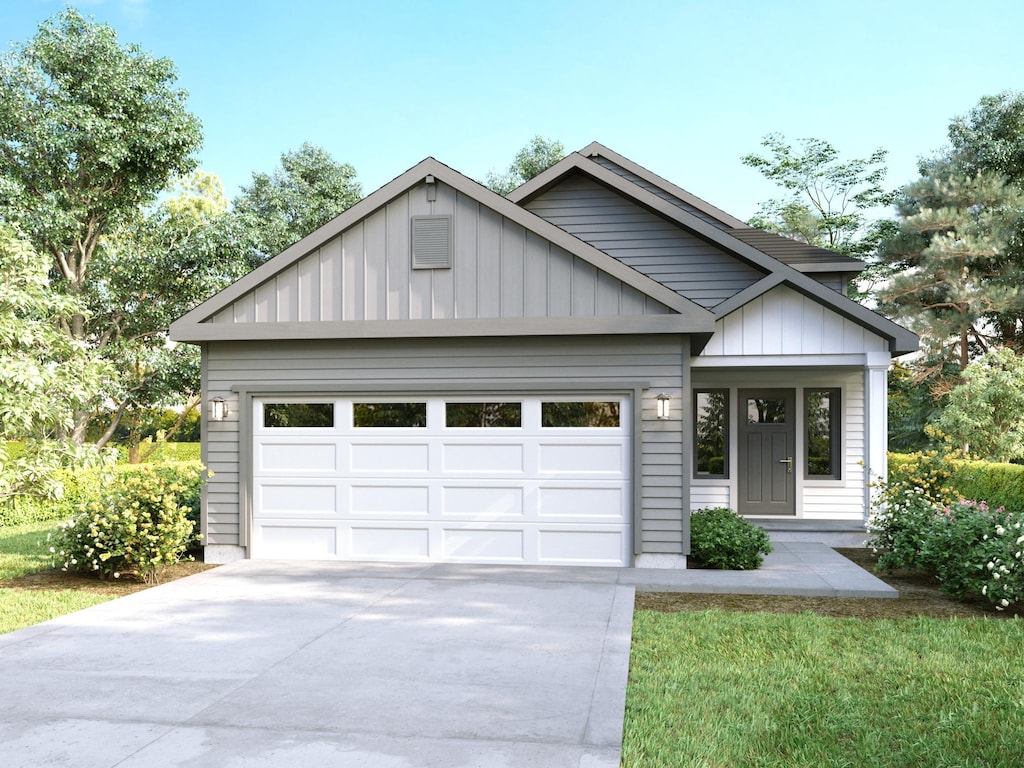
(263, 366)
(645, 241)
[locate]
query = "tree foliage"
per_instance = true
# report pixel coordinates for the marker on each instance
(90, 132)
(45, 376)
(984, 414)
(951, 277)
(536, 157)
(828, 200)
(308, 189)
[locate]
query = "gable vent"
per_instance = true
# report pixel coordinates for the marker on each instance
(431, 242)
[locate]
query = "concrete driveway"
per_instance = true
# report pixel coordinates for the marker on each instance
(328, 664)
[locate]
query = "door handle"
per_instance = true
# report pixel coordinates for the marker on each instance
(789, 464)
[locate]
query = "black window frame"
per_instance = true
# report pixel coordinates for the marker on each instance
(835, 432)
(726, 443)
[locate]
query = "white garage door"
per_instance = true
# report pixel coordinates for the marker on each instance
(456, 479)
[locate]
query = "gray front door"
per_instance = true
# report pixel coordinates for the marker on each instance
(767, 434)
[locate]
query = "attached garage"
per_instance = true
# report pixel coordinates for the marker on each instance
(497, 479)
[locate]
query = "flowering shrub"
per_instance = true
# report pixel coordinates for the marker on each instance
(1002, 580)
(720, 538)
(957, 544)
(899, 518)
(137, 523)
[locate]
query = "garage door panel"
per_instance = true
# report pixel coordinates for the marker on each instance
(515, 494)
(488, 502)
(390, 457)
(390, 500)
(580, 458)
(573, 546)
(391, 543)
(483, 458)
(292, 541)
(296, 457)
(285, 498)
(582, 503)
(483, 544)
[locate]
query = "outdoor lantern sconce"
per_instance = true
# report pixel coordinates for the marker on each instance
(218, 409)
(664, 406)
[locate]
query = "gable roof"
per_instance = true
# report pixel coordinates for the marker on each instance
(682, 315)
(722, 230)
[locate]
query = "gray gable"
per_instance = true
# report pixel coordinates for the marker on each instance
(702, 272)
(508, 273)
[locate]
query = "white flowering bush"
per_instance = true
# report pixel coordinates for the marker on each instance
(900, 516)
(136, 524)
(1002, 580)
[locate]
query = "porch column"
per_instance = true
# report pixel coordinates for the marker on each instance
(876, 408)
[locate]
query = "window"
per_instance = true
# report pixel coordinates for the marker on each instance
(711, 429)
(579, 414)
(483, 414)
(389, 414)
(766, 411)
(298, 415)
(821, 409)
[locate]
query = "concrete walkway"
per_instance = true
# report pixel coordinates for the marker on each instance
(263, 664)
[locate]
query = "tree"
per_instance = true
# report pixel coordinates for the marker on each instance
(828, 200)
(155, 268)
(90, 132)
(950, 275)
(309, 189)
(536, 157)
(45, 376)
(985, 412)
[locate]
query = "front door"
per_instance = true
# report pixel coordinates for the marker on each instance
(767, 434)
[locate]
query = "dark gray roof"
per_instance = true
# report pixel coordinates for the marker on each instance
(801, 256)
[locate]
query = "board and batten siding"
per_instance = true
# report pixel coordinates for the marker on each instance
(645, 241)
(500, 270)
(784, 322)
(610, 364)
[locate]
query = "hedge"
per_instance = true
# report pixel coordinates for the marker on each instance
(948, 479)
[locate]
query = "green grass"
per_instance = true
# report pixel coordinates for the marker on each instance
(24, 607)
(23, 550)
(712, 688)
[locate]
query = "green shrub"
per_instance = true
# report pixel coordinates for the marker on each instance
(719, 538)
(175, 452)
(1001, 485)
(1002, 581)
(137, 522)
(957, 543)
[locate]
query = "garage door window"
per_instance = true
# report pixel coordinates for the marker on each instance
(484, 415)
(586, 415)
(290, 415)
(394, 415)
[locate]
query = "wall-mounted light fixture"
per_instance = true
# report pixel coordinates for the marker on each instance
(664, 406)
(218, 409)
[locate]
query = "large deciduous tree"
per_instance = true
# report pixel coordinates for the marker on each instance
(308, 189)
(537, 156)
(90, 132)
(45, 376)
(828, 201)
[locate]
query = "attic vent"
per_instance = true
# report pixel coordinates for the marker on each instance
(431, 242)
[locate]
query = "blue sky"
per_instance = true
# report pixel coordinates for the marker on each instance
(685, 88)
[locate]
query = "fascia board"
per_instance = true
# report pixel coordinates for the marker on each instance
(447, 328)
(545, 178)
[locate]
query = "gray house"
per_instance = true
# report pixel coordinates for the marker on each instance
(558, 376)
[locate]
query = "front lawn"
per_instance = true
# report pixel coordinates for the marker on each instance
(714, 688)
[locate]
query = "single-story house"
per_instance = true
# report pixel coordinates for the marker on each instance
(559, 376)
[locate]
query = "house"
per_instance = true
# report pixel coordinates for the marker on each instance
(558, 376)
